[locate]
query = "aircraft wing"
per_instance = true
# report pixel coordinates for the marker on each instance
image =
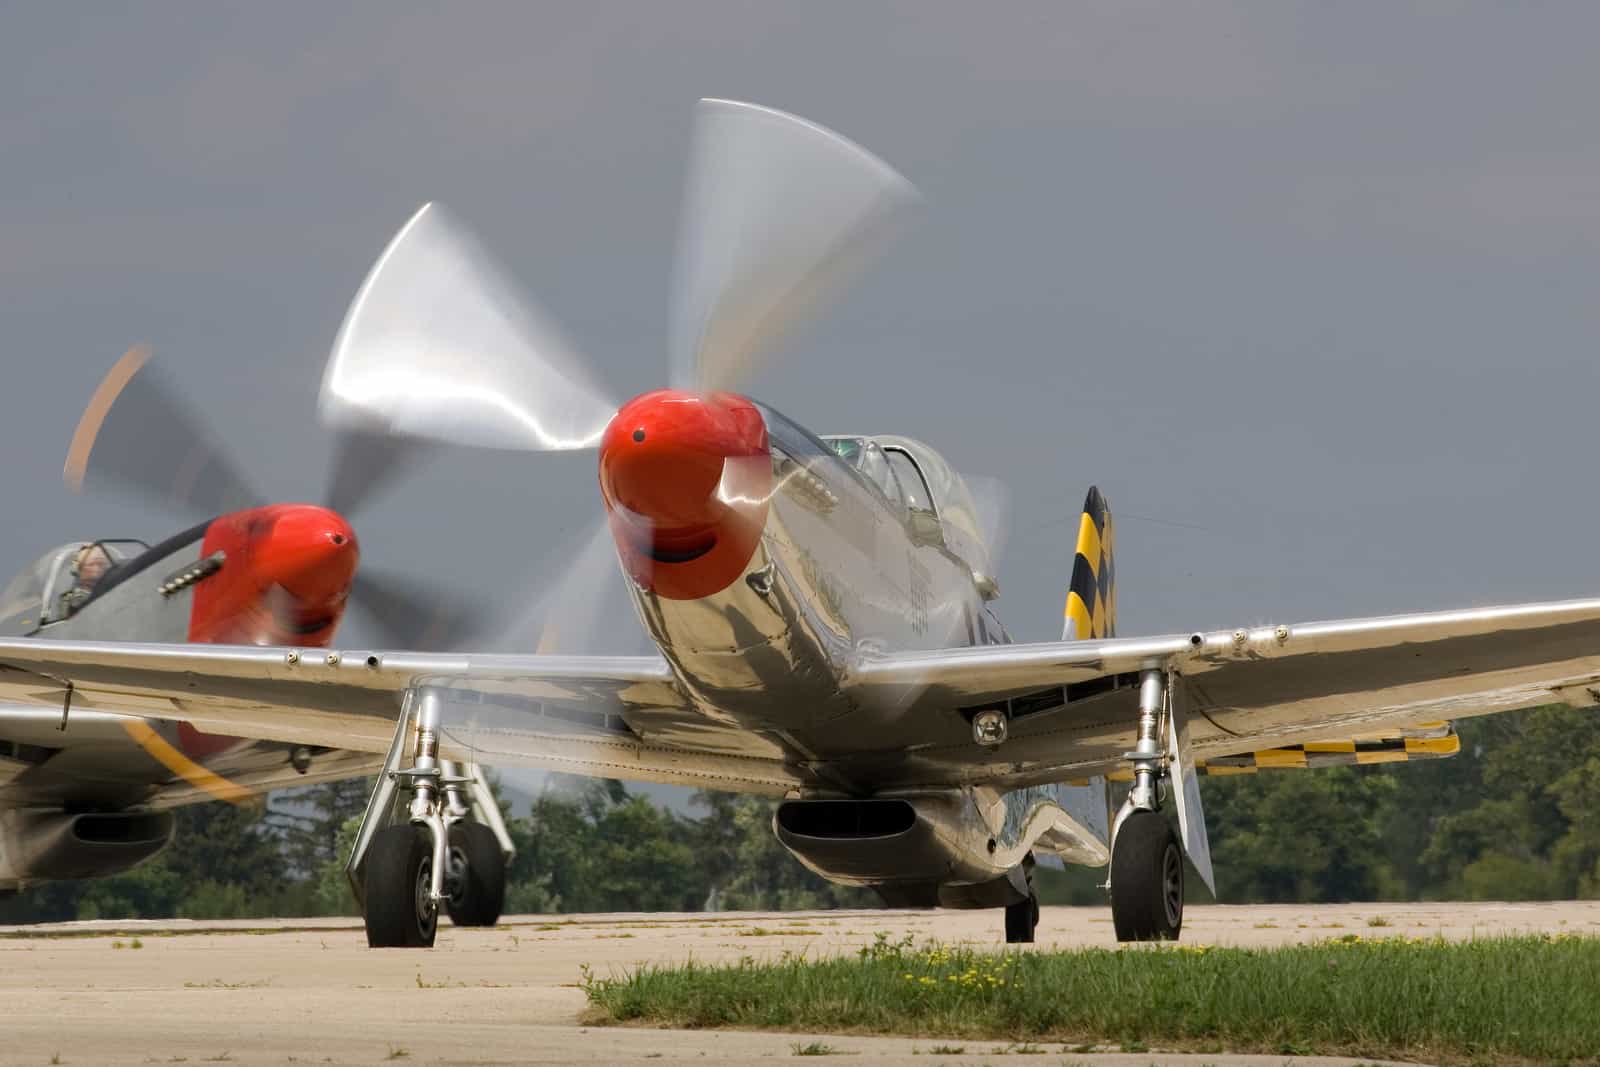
(1260, 689)
(1073, 704)
(611, 716)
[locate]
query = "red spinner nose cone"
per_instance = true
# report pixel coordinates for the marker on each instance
(286, 572)
(310, 551)
(686, 479)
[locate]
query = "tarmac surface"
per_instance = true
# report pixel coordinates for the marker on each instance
(310, 991)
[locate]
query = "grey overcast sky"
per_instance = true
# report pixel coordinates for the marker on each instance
(1307, 289)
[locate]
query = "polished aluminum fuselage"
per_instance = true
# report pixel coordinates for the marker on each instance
(842, 572)
(838, 572)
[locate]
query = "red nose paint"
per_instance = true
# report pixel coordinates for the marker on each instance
(285, 576)
(286, 571)
(686, 480)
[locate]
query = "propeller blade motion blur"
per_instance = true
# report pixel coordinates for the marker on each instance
(252, 574)
(778, 213)
(565, 617)
(408, 613)
(991, 502)
(138, 437)
(365, 462)
(438, 344)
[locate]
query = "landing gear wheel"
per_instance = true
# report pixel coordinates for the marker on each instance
(478, 875)
(1022, 918)
(398, 873)
(1146, 880)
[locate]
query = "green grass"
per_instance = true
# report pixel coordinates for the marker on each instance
(815, 1048)
(1492, 1000)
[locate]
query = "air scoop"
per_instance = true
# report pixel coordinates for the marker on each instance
(686, 479)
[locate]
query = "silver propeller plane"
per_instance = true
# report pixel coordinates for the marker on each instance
(821, 607)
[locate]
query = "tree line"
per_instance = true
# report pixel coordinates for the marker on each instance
(1513, 817)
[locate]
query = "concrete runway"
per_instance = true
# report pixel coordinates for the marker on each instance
(310, 991)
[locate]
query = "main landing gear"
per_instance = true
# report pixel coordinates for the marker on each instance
(1146, 856)
(450, 851)
(1146, 879)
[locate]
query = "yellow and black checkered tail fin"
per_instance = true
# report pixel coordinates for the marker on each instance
(1092, 596)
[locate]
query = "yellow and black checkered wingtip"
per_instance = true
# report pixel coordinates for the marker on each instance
(1091, 610)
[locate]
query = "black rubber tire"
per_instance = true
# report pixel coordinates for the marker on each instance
(1147, 879)
(396, 874)
(1022, 918)
(481, 891)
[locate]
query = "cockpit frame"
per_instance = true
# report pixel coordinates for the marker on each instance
(42, 593)
(945, 516)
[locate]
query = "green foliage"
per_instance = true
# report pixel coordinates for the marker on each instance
(330, 894)
(312, 822)
(751, 871)
(585, 845)
(590, 845)
(1300, 835)
(1073, 886)
(1504, 820)
(1490, 999)
(227, 861)
(150, 891)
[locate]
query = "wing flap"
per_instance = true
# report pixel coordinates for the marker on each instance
(1317, 754)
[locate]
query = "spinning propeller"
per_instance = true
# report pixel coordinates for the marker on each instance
(439, 345)
(139, 436)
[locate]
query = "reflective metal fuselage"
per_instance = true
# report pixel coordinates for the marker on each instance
(836, 572)
(841, 570)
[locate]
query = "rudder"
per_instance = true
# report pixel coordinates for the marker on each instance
(1091, 610)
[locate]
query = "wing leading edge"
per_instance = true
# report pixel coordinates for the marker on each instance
(608, 716)
(1247, 690)
(1072, 703)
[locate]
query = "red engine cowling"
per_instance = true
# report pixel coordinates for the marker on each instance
(285, 576)
(687, 479)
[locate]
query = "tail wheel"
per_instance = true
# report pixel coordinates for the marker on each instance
(398, 879)
(478, 866)
(1147, 880)
(1022, 918)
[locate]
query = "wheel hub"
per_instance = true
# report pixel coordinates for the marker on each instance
(426, 916)
(455, 876)
(1172, 884)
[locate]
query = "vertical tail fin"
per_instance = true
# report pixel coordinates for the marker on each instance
(1092, 597)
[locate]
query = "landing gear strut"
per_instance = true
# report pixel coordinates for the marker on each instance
(450, 851)
(1146, 858)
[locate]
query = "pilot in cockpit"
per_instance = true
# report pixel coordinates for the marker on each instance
(88, 567)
